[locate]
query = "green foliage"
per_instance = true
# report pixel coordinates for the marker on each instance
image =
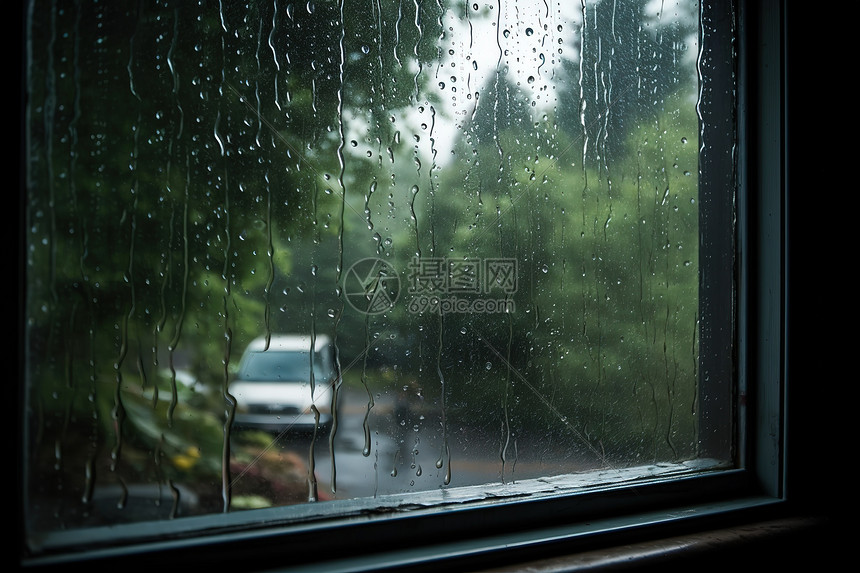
(602, 343)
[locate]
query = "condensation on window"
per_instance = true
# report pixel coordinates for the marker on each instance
(462, 236)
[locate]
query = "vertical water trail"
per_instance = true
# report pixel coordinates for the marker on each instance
(415, 465)
(700, 94)
(341, 134)
(694, 403)
(671, 379)
(506, 421)
(367, 211)
(172, 50)
(171, 347)
(123, 496)
(221, 14)
(89, 480)
(474, 67)
(433, 149)
(118, 410)
(339, 270)
(270, 253)
(180, 123)
(274, 52)
(498, 85)
(506, 428)
(217, 134)
(397, 32)
(175, 495)
(130, 65)
(338, 381)
(313, 494)
(639, 175)
(394, 464)
(229, 399)
(230, 403)
(446, 450)
(129, 278)
(312, 484)
(416, 49)
(377, 8)
(370, 402)
(259, 133)
(498, 39)
(174, 342)
(606, 82)
(167, 257)
(414, 193)
(582, 101)
(584, 155)
(376, 474)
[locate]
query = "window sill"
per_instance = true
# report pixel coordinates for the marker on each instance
(577, 488)
(788, 540)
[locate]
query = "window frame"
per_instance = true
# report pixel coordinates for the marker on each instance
(543, 526)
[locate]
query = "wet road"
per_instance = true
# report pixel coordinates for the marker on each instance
(401, 451)
(379, 450)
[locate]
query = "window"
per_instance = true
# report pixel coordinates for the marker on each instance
(512, 232)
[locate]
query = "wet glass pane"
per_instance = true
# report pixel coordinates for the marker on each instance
(481, 217)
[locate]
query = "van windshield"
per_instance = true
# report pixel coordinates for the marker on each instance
(280, 367)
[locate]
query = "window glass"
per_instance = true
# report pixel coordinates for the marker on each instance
(483, 218)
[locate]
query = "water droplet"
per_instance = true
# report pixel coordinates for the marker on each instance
(488, 365)
(529, 31)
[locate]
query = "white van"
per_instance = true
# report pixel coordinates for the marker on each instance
(273, 385)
